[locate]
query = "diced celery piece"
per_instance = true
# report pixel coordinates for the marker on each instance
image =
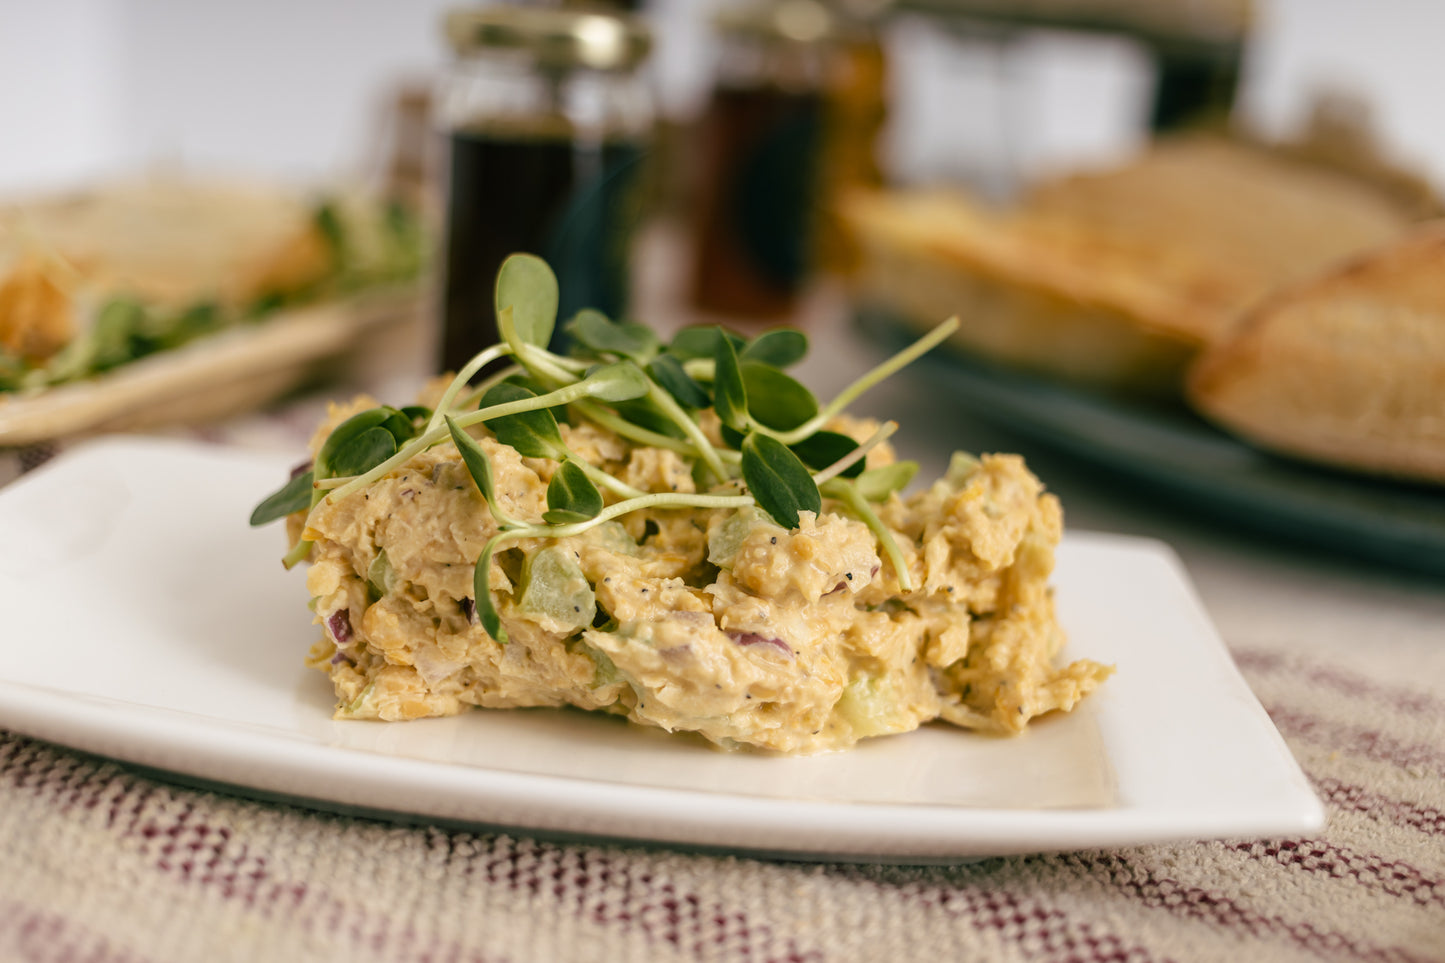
(872, 706)
(724, 540)
(379, 575)
(961, 467)
(553, 586)
(613, 537)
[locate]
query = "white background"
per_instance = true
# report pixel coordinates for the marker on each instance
(295, 88)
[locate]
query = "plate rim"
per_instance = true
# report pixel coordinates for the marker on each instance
(213, 749)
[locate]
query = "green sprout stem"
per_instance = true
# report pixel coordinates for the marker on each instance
(474, 397)
(626, 429)
(601, 478)
(478, 361)
(298, 554)
(849, 495)
(549, 367)
(650, 500)
(885, 370)
(884, 431)
(690, 428)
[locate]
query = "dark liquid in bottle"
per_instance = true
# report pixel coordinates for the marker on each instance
(756, 206)
(575, 205)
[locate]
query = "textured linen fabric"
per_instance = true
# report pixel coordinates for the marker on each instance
(101, 864)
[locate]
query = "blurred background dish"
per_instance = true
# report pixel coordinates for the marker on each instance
(217, 280)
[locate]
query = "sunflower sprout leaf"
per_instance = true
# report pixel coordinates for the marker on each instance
(700, 342)
(593, 330)
(876, 484)
(778, 481)
(571, 496)
(622, 381)
(294, 496)
(479, 466)
(822, 448)
(527, 285)
(340, 451)
(775, 399)
(533, 433)
(486, 610)
(667, 371)
(362, 452)
(729, 393)
(779, 347)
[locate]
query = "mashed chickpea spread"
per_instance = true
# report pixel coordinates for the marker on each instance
(697, 610)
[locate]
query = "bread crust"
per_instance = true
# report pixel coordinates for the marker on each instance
(1347, 369)
(1117, 278)
(1028, 302)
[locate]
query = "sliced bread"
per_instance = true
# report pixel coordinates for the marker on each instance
(1346, 369)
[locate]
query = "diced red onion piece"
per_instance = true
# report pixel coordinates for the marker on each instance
(753, 638)
(338, 624)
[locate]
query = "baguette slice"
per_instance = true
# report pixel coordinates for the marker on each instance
(1347, 369)
(1116, 278)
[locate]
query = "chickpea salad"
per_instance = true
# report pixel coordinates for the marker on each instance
(678, 533)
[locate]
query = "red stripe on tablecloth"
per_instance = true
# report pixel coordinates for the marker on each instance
(33, 936)
(190, 849)
(1357, 739)
(1141, 883)
(1360, 799)
(1337, 679)
(1391, 876)
(1050, 933)
(613, 891)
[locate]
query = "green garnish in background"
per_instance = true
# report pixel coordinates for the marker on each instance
(775, 454)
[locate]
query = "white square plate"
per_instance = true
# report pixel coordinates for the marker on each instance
(143, 620)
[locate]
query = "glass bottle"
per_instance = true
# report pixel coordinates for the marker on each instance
(548, 115)
(761, 135)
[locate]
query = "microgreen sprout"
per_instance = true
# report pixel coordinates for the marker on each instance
(776, 452)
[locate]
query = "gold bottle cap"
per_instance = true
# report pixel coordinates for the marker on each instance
(554, 36)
